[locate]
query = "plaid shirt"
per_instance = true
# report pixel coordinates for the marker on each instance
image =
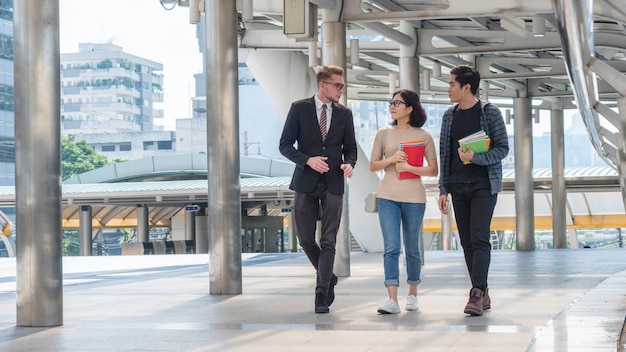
(491, 121)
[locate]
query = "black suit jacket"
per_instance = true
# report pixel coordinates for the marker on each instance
(340, 146)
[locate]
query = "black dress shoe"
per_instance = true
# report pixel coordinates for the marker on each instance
(320, 303)
(331, 289)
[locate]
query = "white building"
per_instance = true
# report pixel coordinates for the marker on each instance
(107, 100)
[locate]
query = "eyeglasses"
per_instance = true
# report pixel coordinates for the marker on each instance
(339, 86)
(396, 103)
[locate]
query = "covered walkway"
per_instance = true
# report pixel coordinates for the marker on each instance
(165, 185)
(559, 300)
(496, 39)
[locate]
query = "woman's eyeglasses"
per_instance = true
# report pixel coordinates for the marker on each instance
(339, 86)
(396, 103)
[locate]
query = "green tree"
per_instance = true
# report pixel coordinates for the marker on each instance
(78, 157)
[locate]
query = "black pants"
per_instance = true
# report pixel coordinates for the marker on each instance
(308, 208)
(473, 209)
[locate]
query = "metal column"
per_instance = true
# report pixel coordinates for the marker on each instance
(524, 198)
(621, 150)
(143, 229)
(446, 228)
(559, 195)
(224, 207)
(293, 236)
(334, 53)
(409, 63)
(85, 231)
(190, 226)
(409, 74)
(410, 79)
(39, 278)
(341, 266)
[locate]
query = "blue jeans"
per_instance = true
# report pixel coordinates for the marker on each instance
(390, 215)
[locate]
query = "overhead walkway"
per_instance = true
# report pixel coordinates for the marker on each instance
(561, 300)
(172, 182)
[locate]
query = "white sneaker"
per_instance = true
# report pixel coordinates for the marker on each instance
(412, 303)
(390, 307)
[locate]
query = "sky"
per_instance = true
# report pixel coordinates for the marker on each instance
(143, 28)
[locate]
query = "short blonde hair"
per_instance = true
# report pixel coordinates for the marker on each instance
(326, 72)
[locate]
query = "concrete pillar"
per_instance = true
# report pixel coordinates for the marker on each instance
(524, 198)
(559, 194)
(334, 53)
(224, 207)
(85, 230)
(143, 228)
(39, 276)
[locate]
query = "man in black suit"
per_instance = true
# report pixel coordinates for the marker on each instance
(326, 152)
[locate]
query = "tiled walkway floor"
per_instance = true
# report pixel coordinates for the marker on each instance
(560, 300)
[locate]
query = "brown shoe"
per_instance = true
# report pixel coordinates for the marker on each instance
(486, 300)
(474, 306)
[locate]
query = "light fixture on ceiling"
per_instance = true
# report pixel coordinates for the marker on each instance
(539, 26)
(514, 25)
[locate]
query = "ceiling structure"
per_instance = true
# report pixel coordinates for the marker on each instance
(531, 48)
(516, 45)
(564, 54)
(499, 38)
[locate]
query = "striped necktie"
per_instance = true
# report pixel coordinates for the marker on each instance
(323, 122)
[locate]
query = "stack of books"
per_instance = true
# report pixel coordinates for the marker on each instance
(477, 142)
(415, 153)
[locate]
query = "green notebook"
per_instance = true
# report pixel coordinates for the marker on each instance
(478, 142)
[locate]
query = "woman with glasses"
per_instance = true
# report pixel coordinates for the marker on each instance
(401, 194)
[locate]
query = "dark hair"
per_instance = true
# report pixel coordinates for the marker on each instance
(326, 72)
(418, 115)
(467, 75)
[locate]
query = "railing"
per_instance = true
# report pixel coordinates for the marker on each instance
(575, 25)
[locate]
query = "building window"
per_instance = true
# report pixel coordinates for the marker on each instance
(108, 148)
(165, 145)
(126, 147)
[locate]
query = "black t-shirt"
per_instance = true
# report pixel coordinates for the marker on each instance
(464, 123)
